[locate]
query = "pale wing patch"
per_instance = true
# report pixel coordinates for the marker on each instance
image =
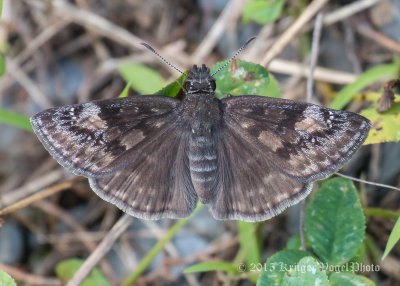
(308, 124)
(269, 139)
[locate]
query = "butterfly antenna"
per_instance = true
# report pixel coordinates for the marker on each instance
(234, 56)
(163, 59)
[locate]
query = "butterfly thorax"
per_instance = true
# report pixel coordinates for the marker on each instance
(203, 114)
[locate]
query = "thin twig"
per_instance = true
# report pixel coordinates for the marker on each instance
(383, 40)
(92, 21)
(368, 182)
(320, 74)
(310, 81)
(12, 196)
(69, 220)
(292, 31)
(350, 47)
(231, 11)
(105, 245)
(348, 10)
(99, 47)
(41, 195)
(30, 87)
(40, 40)
(314, 54)
(303, 205)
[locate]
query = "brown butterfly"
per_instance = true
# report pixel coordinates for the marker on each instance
(247, 157)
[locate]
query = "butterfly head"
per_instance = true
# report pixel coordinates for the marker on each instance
(199, 80)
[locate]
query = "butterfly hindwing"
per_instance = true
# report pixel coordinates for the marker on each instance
(305, 141)
(156, 183)
(98, 138)
(249, 187)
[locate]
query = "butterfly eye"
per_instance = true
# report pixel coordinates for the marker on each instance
(212, 85)
(188, 85)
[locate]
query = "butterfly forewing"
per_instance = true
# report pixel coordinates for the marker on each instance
(306, 141)
(97, 138)
(156, 183)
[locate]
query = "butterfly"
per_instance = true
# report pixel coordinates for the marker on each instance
(247, 157)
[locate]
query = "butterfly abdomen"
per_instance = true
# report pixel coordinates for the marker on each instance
(203, 115)
(203, 165)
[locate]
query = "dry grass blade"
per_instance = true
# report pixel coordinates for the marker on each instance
(292, 31)
(41, 195)
(314, 54)
(348, 11)
(14, 195)
(231, 11)
(30, 87)
(383, 40)
(320, 74)
(368, 182)
(107, 243)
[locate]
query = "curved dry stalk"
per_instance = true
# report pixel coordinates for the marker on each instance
(314, 54)
(368, 182)
(231, 11)
(292, 31)
(41, 195)
(105, 245)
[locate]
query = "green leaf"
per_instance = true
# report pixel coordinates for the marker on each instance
(294, 242)
(334, 221)
(349, 279)
(248, 242)
(262, 11)
(359, 257)
(382, 72)
(393, 238)
(212, 266)
(15, 119)
(6, 280)
(173, 88)
(240, 78)
(273, 89)
(307, 272)
(274, 270)
(2, 65)
(125, 92)
(385, 125)
(66, 269)
(143, 79)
